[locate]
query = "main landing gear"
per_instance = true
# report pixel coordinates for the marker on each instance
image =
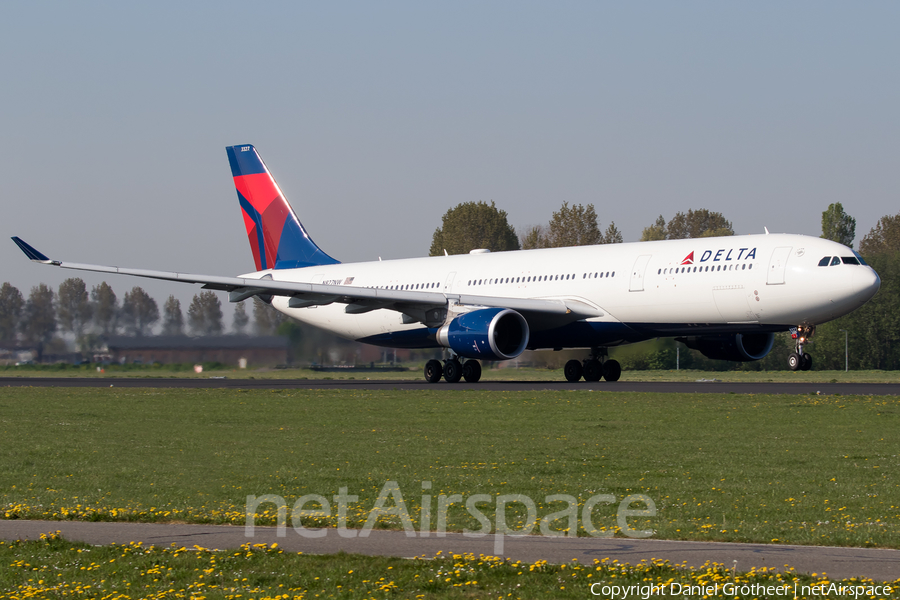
(798, 360)
(452, 370)
(595, 367)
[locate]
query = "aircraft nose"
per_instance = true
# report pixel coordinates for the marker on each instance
(866, 282)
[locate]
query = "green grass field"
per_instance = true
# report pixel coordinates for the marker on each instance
(755, 468)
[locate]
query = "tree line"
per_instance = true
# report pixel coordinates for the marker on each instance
(92, 317)
(479, 225)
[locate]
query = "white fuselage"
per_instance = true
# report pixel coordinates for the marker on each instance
(705, 285)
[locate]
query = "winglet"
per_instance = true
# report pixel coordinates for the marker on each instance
(32, 253)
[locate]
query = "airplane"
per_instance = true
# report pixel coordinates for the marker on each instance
(724, 296)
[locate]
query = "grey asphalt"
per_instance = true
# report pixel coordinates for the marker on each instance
(713, 387)
(878, 564)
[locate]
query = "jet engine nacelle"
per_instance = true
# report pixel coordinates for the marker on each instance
(739, 347)
(489, 334)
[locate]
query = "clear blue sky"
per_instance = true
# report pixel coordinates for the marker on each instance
(377, 117)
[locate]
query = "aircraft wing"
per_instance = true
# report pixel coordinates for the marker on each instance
(415, 305)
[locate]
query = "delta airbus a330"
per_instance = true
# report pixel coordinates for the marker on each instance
(724, 296)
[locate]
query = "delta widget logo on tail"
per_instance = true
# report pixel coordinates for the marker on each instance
(277, 239)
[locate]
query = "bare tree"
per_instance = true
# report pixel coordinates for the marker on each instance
(73, 307)
(39, 323)
(266, 319)
(205, 314)
(11, 305)
(241, 318)
(173, 318)
(106, 309)
(139, 312)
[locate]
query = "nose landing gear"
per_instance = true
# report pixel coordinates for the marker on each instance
(798, 360)
(595, 367)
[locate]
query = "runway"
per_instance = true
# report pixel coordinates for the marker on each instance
(685, 387)
(878, 564)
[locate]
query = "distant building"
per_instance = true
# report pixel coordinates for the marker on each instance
(12, 353)
(226, 349)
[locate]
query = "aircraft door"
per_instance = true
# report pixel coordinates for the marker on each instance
(637, 273)
(448, 284)
(777, 265)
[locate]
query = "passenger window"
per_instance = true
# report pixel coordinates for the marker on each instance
(849, 260)
(836, 261)
(824, 262)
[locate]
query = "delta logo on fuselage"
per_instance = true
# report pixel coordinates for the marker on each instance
(717, 257)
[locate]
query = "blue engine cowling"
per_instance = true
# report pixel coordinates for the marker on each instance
(739, 347)
(489, 334)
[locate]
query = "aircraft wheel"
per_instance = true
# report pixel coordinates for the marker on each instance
(433, 371)
(612, 370)
(471, 371)
(452, 371)
(794, 361)
(593, 370)
(573, 371)
(805, 362)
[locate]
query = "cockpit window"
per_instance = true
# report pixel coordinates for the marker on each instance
(859, 258)
(849, 260)
(836, 261)
(824, 262)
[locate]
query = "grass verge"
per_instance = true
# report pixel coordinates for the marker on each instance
(497, 372)
(55, 568)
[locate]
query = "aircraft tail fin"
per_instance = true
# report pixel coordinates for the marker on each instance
(277, 238)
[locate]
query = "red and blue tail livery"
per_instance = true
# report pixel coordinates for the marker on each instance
(277, 238)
